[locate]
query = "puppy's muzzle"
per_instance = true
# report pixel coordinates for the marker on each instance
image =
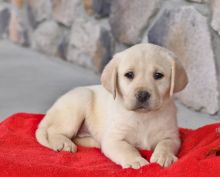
(143, 97)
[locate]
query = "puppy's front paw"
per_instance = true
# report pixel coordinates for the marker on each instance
(164, 159)
(135, 163)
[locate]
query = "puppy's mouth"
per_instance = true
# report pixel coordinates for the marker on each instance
(142, 109)
(145, 108)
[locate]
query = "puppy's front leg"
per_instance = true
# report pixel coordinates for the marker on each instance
(164, 153)
(122, 153)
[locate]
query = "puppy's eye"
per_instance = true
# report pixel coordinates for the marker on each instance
(129, 75)
(158, 76)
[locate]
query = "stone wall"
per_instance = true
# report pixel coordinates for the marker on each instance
(89, 32)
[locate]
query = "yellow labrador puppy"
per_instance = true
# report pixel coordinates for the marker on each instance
(133, 108)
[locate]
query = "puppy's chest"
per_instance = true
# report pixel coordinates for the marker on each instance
(144, 134)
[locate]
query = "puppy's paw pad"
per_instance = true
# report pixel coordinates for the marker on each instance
(163, 159)
(57, 146)
(69, 146)
(136, 163)
(63, 144)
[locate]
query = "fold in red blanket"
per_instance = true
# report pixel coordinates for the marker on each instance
(22, 156)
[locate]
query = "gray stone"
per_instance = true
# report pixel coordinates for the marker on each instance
(65, 11)
(104, 49)
(216, 48)
(18, 29)
(101, 7)
(90, 44)
(87, 4)
(119, 47)
(198, 1)
(63, 45)
(4, 20)
(47, 38)
(215, 23)
(186, 32)
(128, 19)
(39, 11)
(97, 8)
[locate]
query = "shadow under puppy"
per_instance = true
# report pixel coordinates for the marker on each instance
(133, 108)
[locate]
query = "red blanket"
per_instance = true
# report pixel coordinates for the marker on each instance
(21, 155)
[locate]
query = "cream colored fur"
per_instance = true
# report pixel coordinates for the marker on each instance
(108, 116)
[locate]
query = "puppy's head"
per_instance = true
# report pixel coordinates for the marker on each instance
(144, 76)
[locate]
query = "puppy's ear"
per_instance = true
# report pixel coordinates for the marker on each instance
(179, 77)
(109, 77)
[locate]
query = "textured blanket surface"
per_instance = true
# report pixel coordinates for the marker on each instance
(22, 156)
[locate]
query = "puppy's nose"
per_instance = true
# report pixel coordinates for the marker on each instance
(143, 96)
